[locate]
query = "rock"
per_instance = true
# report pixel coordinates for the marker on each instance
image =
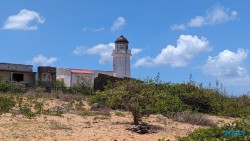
(141, 129)
(95, 106)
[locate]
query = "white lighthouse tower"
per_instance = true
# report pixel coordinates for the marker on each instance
(121, 58)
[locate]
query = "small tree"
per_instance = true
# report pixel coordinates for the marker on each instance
(135, 96)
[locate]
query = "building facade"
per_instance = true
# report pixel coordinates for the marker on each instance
(71, 77)
(17, 74)
(46, 75)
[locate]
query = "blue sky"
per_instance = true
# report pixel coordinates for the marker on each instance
(208, 39)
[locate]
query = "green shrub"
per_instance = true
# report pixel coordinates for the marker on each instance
(163, 139)
(88, 113)
(178, 97)
(76, 89)
(6, 87)
(26, 111)
(236, 106)
(218, 133)
(50, 112)
(38, 106)
(6, 104)
(169, 104)
(99, 97)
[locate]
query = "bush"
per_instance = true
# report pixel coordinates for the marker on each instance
(6, 104)
(88, 113)
(169, 104)
(236, 107)
(54, 112)
(200, 99)
(79, 89)
(26, 111)
(218, 133)
(100, 97)
(7, 87)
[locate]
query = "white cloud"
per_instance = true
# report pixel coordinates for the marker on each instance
(178, 27)
(197, 21)
(103, 50)
(135, 51)
(118, 24)
(42, 60)
(215, 15)
(24, 20)
(187, 47)
(94, 30)
(229, 67)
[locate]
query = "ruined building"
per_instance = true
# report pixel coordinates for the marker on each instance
(46, 75)
(18, 74)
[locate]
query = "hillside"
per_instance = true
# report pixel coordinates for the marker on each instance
(77, 124)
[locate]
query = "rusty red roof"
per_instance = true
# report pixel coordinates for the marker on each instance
(83, 71)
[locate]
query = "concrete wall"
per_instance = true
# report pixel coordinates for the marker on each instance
(15, 67)
(5, 75)
(121, 64)
(65, 75)
(76, 77)
(27, 77)
(47, 74)
(110, 73)
(47, 77)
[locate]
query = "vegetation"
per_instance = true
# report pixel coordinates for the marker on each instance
(81, 87)
(11, 87)
(137, 97)
(220, 133)
(192, 118)
(6, 104)
(183, 102)
(154, 96)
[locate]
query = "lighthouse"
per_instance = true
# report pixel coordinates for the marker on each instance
(121, 58)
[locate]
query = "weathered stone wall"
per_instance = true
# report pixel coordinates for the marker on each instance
(46, 75)
(102, 80)
(16, 67)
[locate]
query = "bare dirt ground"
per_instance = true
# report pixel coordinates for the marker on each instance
(75, 127)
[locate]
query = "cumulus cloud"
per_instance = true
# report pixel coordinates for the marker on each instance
(118, 24)
(135, 51)
(24, 20)
(229, 67)
(103, 50)
(187, 47)
(215, 15)
(42, 60)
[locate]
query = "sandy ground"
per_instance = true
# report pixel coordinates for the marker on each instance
(73, 127)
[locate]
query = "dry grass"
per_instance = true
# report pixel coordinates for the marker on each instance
(55, 125)
(193, 118)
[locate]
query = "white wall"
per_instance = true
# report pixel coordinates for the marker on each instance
(65, 75)
(121, 64)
